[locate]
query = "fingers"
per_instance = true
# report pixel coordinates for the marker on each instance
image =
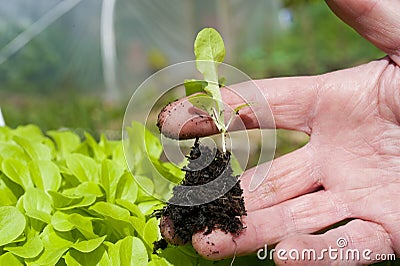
(291, 101)
(306, 214)
(357, 242)
(289, 176)
(377, 21)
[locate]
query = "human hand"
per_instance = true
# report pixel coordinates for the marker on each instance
(350, 169)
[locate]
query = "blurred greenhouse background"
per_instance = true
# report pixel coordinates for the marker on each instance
(75, 63)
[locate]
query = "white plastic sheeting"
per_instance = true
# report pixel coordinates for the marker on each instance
(111, 46)
(2, 122)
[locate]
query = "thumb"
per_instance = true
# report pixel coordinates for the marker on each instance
(377, 21)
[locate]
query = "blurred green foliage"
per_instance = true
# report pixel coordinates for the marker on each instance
(66, 109)
(315, 42)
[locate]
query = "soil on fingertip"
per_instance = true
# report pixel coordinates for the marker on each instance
(223, 213)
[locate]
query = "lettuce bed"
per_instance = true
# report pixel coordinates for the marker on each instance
(64, 201)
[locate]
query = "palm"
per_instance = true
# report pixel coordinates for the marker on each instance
(345, 171)
(356, 148)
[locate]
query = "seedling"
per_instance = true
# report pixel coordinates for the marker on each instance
(209, 50)
(179, 223)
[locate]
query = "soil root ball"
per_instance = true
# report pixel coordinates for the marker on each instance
(179, 223)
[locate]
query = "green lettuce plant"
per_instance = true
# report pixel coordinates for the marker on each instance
(67, 201)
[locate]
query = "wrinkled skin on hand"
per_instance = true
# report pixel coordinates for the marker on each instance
(350, 169)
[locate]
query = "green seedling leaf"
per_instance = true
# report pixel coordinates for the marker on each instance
(89, 245)
(61, 201)
(138, 149)
(151, 232)
(22, 237)
(157, 261)
(55, 240)
(37, 204)
(115, 217)
(45, 174)
(83, 167)
(113, 252)
(139, 220)
(146, 188)
(50, 256)
(33, 132)
(63, 222)
(35, 150)
(12, 224)
(193, 86)
(174, 170)
(84, 189)
(236, 112)
(153, 145)
(83, 149)
(7, 196)
(118, 155)
(5, 133)
(204, 102)
(108, 146)
(18, 172)
(60, 222)
(10, 260)
(30, 249)
(86, 201)
(138, 224)
(133, 208)
(127, 188)
(210, 105)
(98, 152)
(133, 252)
(240, 107)
(111, 173)
(147, 207)
(222, 82)
(11, 150)
(162, 170)
(83, 224)
(68, 202)
(110, 210)
(66, 141)
(236, 167)
(213, 90)
(179, 256)
(128, 251)
(209, 49)
(98, 257)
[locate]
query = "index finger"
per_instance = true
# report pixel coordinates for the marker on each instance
(290, 100)
(377, 21)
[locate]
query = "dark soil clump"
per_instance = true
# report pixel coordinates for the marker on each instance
(222, 213)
